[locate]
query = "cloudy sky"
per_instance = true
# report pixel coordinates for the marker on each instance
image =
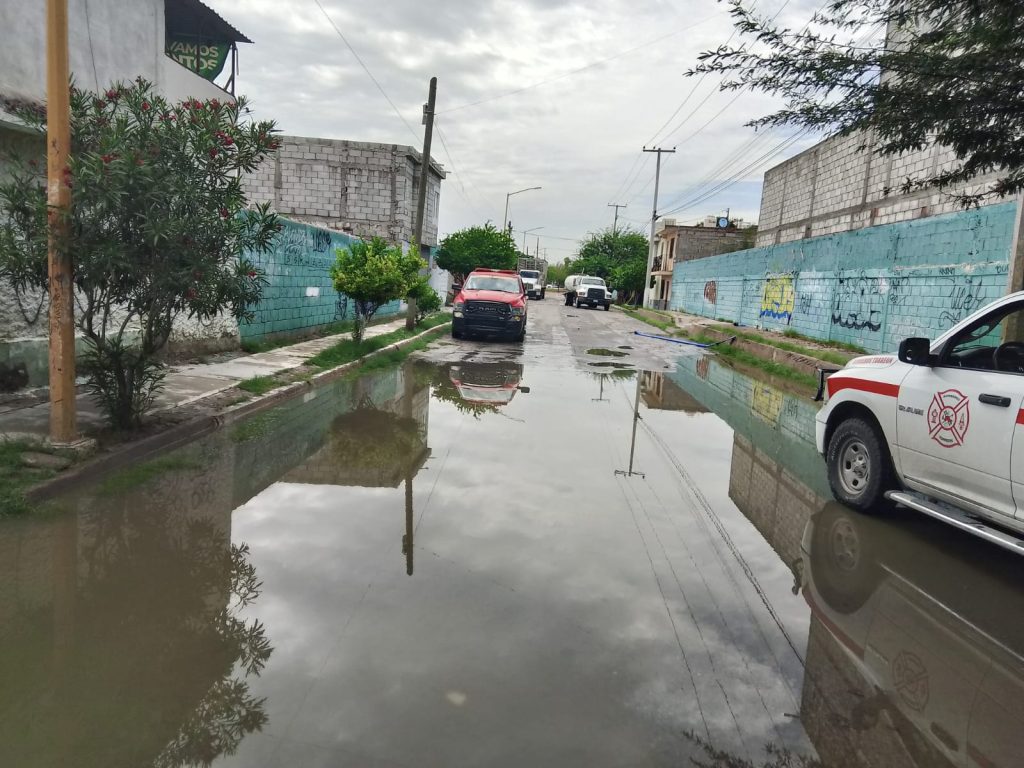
(559, 94)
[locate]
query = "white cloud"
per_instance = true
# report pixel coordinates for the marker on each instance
(577, 136)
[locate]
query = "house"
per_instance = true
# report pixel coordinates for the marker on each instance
(360, 188)
(676, 243)
(182, 46)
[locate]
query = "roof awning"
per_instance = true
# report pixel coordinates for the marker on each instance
(192, 18)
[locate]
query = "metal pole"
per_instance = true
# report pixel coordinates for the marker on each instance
(504, 219)
(61, 286)
(654, 220)
(421, 198)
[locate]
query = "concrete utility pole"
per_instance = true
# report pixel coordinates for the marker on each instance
(615, 221)
(615, 225)
(421, 198)
(63, 428)
(654, 220)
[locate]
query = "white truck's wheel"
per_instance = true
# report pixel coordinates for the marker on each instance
(859, 467)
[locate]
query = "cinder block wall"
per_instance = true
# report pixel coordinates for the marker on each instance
(871, 287)
(835, 186)
(364, 188)
(300, 296)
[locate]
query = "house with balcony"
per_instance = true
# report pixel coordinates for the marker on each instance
(676, 242)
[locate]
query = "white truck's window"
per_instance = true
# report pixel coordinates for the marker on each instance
(995, 343)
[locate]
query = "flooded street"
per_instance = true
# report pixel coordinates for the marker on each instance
(481, 558)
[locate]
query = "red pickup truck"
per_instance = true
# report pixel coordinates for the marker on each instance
(491, 302)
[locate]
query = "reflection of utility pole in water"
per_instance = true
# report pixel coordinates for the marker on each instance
(407, 395)
(600, 398)
(632, 442)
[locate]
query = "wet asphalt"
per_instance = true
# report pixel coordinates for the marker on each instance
(489, 557)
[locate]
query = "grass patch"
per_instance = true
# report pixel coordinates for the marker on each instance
(140, 474)
(258, 385)
(777, 370)
(819, 354)
(16, 478)
(347, 350)
(394, 356)
(791, 334)
(652, 318)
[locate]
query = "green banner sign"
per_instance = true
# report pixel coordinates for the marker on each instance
(205, 59)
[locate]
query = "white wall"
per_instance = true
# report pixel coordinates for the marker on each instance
(113, 40)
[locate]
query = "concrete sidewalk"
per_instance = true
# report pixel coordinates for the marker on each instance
(184, 384)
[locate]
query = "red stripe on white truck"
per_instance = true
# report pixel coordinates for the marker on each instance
(863, 385)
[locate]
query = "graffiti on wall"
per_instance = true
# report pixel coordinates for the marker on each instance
(711, 292)
(857, 302)
(296, 246)
(964, 296)
(777, 298)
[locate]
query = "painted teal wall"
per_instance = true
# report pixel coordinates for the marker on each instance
(297, 265)
(872, 287)
(780, 424)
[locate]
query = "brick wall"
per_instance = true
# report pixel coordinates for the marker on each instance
(835, 186)
(300, 296)
(872, 287)
(363, 188)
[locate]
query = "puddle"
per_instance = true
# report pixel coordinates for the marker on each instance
(602, 352)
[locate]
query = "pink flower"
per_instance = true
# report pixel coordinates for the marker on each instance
(145, 106)
(213, 152)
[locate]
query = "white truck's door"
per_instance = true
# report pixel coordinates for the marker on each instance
(957, 420)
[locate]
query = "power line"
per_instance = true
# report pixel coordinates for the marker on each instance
(738, 176)
(576, 71)
(458, 177)
(366, 69)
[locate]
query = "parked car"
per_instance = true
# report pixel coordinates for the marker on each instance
(592, 292)
(938, 427)
(490, 302)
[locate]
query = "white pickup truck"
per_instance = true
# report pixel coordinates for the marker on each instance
(939, 427)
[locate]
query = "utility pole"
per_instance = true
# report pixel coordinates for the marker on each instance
(63, 428)
(615, 225)
(654, 220)
(421, 198)
(615, 222)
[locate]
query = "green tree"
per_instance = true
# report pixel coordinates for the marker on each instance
(619, 257)
(558, 272)
(628, 279)
(463, 251)
(372, 274)
(427, 300)
(156, 228)
(948, 71)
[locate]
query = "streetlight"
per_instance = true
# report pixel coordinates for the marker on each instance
(525, 233)
(507, 196)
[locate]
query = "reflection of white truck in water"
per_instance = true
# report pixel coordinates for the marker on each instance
(534, 274)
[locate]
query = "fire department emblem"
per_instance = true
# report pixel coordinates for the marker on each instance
(949, 416)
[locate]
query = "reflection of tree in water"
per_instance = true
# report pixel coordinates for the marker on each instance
(777, 757)
(370, 439)
(144, 660)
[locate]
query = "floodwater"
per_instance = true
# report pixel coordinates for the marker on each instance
(488, 557)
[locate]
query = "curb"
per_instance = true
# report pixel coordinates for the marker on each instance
(162, 442)
(798, 362)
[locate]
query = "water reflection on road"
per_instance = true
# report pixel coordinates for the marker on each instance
(439, 564)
